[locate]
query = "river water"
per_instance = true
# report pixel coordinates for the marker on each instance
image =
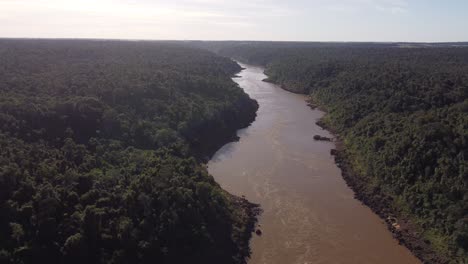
(309, 214)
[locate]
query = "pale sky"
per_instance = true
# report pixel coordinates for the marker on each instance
(293, 20)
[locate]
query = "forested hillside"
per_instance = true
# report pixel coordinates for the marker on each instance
(402, 114)
(100, 150)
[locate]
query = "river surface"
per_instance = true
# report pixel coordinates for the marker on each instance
(309, 214)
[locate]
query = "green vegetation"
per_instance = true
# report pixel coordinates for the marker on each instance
(403, 117)
(100, 150)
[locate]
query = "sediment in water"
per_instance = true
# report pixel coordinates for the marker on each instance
(403, 229)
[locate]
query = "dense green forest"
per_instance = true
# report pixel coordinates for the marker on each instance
(101, 150)
(402, 114)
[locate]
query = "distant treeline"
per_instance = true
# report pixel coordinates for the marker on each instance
(100, 149)
(403, 116)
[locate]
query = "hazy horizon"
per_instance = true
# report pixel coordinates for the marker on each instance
(255, 20)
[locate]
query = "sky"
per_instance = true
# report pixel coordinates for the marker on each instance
(278, 20)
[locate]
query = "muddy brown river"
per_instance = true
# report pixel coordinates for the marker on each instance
(309, 214)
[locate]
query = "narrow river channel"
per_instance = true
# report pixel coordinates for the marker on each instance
(309, 214)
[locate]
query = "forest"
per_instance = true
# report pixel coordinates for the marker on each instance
(402, 116)
(102, 145)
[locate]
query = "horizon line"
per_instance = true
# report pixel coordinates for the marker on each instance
(232, 40)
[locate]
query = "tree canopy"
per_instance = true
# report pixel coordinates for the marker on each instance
(100, 150)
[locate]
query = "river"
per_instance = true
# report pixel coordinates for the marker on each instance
(309, 213)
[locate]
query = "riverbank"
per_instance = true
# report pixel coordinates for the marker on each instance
(403, 229)
(212, 137)
(249, 213)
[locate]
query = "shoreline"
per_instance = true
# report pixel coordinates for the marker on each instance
(212, 141)
(215, 140)
(401, 227)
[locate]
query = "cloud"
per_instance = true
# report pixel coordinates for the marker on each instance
(392, 6)
(107, 11)
(176, 11)
(355, 6)
(182, 19)
(213, 19)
